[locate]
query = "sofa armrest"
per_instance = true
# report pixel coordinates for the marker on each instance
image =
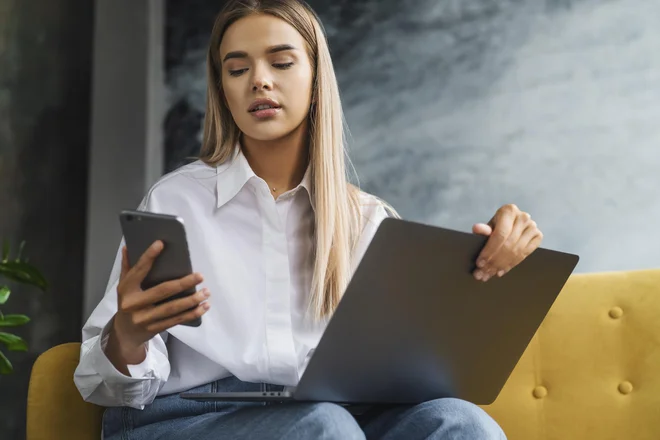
(55, 408)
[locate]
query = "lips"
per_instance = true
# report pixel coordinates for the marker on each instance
(263, 104)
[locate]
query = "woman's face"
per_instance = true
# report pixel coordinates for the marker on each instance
(266, 76)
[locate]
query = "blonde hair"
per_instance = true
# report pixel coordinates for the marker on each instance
(336, 201)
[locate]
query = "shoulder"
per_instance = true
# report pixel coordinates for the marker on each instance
(373, 209)
(192, 181)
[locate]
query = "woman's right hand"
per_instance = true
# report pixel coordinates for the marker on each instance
(138, 319)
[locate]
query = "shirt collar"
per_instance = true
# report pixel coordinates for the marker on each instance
(307, 184)
(233, 175)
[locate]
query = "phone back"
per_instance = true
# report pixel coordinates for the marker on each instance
(141, 230)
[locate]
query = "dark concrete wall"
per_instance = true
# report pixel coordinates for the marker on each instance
(45, 65)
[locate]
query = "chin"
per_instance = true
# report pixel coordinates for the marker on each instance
(272, 130)
(266, 134)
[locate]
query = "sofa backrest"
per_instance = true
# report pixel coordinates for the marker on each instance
(592, 371)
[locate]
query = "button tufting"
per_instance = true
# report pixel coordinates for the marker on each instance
(625, 387)
(616, 312)
(540, 392)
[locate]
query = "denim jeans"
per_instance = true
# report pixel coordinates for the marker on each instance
(172, 418)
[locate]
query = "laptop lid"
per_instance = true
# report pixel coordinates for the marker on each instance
(415, 325)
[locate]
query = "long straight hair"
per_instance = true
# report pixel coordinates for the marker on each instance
(337, 221)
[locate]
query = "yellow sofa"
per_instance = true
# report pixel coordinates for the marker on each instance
(591, 372)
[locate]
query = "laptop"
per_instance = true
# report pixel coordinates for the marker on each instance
(415, 325)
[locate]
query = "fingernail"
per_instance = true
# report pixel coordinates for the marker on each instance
(501, 273)
(486, 278)
(157, 245)
(206, 306)
(206, 293)
(198, 277)
(481, 263)
(478, 275)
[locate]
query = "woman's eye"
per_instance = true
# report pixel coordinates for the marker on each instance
(237, 72)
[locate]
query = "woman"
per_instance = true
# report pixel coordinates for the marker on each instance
(276, 231)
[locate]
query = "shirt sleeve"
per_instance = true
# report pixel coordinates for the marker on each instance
(98, 381)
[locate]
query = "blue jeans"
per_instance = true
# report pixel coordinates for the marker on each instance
(172, 418)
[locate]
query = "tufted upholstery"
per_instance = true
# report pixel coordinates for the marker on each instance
(592, 372)
(593, 369)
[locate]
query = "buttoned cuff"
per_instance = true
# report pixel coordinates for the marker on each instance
(109, 373)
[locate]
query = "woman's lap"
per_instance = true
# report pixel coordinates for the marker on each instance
(286, 421)
(446, 419)
(168, 414)
(173, 418)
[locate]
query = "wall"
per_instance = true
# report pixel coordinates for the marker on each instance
(45, 48)
(456, 108)
(126, 147)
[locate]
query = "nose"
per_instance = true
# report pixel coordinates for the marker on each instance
(260, 81)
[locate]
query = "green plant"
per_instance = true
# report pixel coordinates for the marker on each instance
(19, 270)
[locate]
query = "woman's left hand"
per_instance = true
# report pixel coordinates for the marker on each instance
(512, 237)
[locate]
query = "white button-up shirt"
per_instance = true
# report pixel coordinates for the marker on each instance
(255, 254)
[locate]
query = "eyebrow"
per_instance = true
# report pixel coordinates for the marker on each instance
(270, 50)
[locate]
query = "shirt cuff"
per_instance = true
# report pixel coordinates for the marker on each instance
(109, 373)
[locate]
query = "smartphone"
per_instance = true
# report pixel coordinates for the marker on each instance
(141, 230)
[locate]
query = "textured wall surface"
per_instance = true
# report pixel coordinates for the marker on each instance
(45, 48)
(458, 107)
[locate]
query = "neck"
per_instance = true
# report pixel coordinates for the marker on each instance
(282, 162)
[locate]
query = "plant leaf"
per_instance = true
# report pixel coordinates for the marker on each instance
(13, 320)
(20, 251)
(5, 250)
(4, 294)
(5, 365)
(13, 342)
(23, 273)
